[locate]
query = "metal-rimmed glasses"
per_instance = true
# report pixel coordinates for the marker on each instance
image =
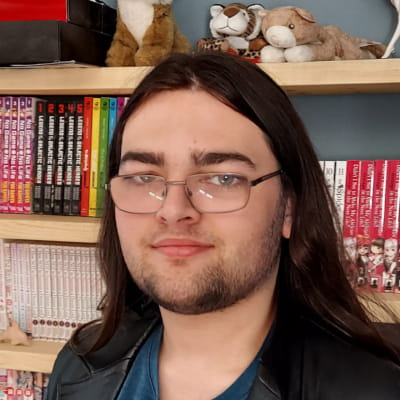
(208, 193)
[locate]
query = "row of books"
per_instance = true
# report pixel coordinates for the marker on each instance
(54, 153)
(367, 198)
(48, 289)
(22, 385)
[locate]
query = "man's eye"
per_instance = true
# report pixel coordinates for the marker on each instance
(140, 179)
(225, 180)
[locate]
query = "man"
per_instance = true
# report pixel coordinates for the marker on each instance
(218, 251)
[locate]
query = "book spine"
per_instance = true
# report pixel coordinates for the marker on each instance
(329, 172)
(94, 178)
(48, 327)
(391, 262)
(6, 153)
(3, 312)
(34, 291)
(112, 121)
(120, 106)
(350, 215)
(13, 150)
(86, 153)
(377, 223)
(1, 149)
(8, 279)
(55, 334)
(339, 188)
(48, 182)
(39, 159)
(21, 154)
(29, 153)
(60, 295)
(41, 290)
(59, 155)
(102, 155)
(77, 160)
(68, 164)
(364, 222)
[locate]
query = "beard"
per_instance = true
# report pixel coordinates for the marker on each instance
(221, 283)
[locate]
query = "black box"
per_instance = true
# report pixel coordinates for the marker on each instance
(28, 42)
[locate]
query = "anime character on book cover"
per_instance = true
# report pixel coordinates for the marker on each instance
(362, 261)
(391, 264)
(375, 267)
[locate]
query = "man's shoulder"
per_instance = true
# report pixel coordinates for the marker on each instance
(340, 366)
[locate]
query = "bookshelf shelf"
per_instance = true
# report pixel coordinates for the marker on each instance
(49, 228)
(323, 77)
(39, 357)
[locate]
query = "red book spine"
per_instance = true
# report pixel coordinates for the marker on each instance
(29, 150)
(86, 150)
(364, 222)
(351, 206)
(21, 154)
(391, 226)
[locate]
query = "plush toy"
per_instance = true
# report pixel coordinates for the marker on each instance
(146, 33)
(235, 28)
(15, 335)
(293, 35)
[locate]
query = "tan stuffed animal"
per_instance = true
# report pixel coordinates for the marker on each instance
(15, 335)
(294, 36)
(146, 33)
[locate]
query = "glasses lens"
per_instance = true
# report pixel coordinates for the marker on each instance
(139, 194)
(218, 192)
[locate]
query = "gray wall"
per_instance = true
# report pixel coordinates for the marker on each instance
(341, 127)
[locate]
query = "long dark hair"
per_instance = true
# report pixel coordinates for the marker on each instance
(312, 278)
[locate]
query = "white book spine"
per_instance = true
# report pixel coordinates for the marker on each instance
(3, 312)
(329, 172)
(340, 186)
(66, 293)
(41, 291)
(34, 291)
(78, 274)
(47, 294)
(54, 292)
(15, 313)
(73, 285)
(27, 284)
(58, 271)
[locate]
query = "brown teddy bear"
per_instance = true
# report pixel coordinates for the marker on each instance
(146, 33)
(294, 36)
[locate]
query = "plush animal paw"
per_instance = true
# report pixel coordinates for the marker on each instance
(300, 53)
(271, 54)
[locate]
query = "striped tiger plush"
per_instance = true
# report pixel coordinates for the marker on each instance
(234, 27)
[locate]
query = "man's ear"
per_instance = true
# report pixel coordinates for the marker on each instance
(287, 219)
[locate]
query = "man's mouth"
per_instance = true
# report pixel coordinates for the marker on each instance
(180, 247)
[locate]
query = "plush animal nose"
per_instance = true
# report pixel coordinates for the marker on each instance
(231, 11)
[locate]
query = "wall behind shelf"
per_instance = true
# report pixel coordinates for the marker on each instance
(342, 127)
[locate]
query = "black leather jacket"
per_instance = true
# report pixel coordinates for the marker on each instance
(304, 361)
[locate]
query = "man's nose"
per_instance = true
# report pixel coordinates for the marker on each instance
(177, 206)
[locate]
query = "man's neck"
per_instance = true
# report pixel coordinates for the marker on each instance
(219, 345)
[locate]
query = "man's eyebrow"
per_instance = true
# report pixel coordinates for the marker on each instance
(203, 159)
(143, 157)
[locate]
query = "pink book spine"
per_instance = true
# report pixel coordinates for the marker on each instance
(6, 154)
(364, 222)
(391, 227)
(350, 212)
(21, 154)
(1, 148)
(28, 158)
(12, 182)
(3, 313)
(120, 106)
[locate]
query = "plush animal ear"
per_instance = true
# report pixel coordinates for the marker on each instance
(256, 8)
(263, 13)
(216, 9)
(305, 14)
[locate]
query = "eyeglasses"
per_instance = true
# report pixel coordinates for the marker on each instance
(208, 193)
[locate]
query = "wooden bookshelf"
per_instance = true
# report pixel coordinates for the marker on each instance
(322, 77)
(49, 228)
(38, 357)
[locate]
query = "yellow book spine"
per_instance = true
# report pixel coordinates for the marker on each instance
(94, 176)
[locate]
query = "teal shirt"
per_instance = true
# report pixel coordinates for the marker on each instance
(142, 380)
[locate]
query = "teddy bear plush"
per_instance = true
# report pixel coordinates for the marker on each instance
(293, 35)
(235, 28)
(146, 33)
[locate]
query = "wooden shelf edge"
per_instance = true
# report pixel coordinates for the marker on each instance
(321, 77)
(49, 228)
(39, 357)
